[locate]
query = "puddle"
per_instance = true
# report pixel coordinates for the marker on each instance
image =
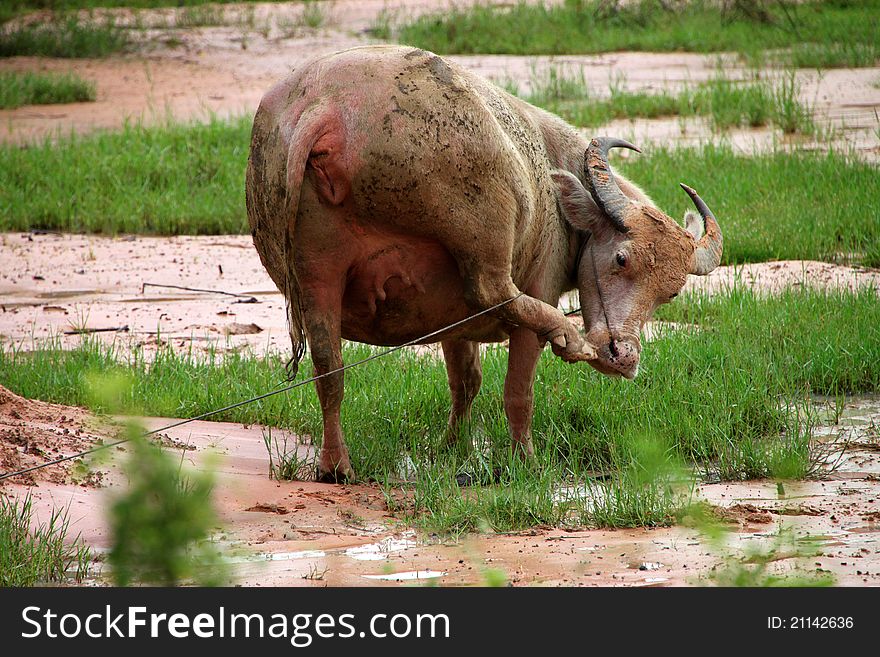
(291, 556)
(381, 550)
(408, 575)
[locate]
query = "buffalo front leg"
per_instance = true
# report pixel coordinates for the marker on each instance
(465, 376)
(519, 388)
(487, 288)
(322, 311)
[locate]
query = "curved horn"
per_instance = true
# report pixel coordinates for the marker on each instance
(708, 253)
(600, 180)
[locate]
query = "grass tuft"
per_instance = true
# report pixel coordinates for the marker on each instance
(34, 553)
(17, 89)
(64, 36)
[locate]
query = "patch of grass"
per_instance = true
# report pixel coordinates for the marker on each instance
(732, 400)
(727, 103)
(821, 33)
(201, 15)
(170, 179)
(17, 89)
(64, 36)
(313, 14)
(778, 205)
(34, 553)
(382, 26)
(12, 8)
(285, 462)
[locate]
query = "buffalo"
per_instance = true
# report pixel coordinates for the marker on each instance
(391, 193)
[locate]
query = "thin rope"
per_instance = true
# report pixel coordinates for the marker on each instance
(602, 300)
(173, 425)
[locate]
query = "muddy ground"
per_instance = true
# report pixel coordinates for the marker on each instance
(303, 533)
(308, 534)
(53, 285)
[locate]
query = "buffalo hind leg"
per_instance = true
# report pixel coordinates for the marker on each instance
(322, 312)
(465, 376)
(519, 388)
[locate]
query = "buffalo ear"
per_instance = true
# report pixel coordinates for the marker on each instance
(577, 205)
(693, 223)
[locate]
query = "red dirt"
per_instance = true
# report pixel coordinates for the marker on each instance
(34, 432)
(301, 533)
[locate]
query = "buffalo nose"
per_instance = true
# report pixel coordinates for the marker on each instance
(624, 355)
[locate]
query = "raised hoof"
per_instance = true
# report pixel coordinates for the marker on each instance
(573, 351)
(333, 476)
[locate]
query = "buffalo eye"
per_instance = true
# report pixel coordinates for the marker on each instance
(620, 258)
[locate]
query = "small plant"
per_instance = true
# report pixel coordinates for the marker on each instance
(286, 464)
(381, 27)
(495, 578)
(313, 14)
(315, 574)
(788, 112)
(199, 16)
(38, 553)
(162, 523)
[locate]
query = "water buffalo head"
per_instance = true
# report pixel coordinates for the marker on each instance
(633, 258)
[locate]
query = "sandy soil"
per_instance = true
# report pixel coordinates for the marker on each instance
(34, 432)
(224, 70)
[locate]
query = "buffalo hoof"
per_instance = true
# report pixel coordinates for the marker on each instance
(337, 476)
(573, 350)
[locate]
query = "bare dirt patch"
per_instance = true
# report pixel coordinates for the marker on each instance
(34, 432)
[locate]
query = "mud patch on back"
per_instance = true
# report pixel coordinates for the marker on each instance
(442, 73)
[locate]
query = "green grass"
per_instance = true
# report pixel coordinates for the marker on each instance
(64, 36)
(779, 205)
(17, 89)
(171, 179)
(721, 398)
(828, 34)
(162, 522)
(12, 8)
(189, 179)
(727, 103)
(33, 553)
